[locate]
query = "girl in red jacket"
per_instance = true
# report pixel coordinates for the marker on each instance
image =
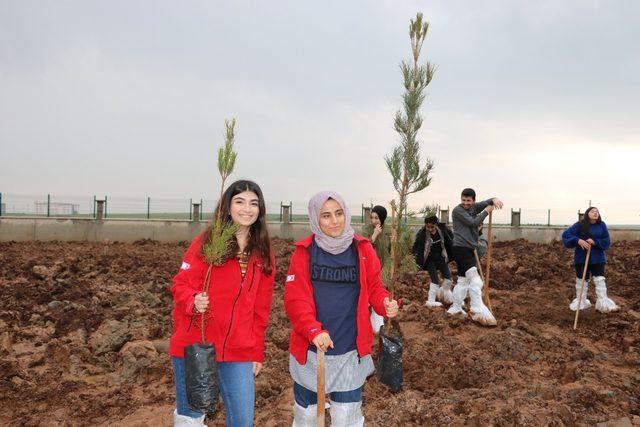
(333, 278)
(236, 308)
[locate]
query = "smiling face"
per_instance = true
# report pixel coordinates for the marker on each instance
(245, 208)
(594, 215)
(332, 218)
(431, 228)
(467, 202)
(375, 220)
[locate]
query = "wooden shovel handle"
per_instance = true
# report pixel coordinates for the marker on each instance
(487, 301)
(584, 276)
(320, 388)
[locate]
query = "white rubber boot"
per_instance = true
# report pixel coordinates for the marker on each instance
(603, 303)
(184, 421)
(585, 301)
(305, 417)
(433, 291)
(346, 414)
(445, 295)
(459, 294)
(479, 312)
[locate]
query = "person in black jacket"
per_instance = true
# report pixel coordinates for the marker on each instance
(432, 249)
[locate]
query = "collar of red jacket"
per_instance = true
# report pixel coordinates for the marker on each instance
(306, 242)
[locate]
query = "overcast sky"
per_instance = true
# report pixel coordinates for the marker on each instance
(535, 102)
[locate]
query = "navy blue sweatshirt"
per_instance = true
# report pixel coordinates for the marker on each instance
(336, 286)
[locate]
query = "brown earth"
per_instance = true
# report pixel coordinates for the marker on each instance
(83, 330)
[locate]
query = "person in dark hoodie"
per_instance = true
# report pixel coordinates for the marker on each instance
(432, 251)
(590, 232)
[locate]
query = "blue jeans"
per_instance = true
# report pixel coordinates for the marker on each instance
(236, 387)
(305, 397)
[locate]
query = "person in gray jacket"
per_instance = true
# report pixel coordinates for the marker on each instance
(467, 216)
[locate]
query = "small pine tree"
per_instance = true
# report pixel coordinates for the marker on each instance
(409, 172)
(429, 210)
(222, 231)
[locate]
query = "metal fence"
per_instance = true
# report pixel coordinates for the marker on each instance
(48, 205)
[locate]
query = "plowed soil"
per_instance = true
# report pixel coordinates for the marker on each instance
(84, 329)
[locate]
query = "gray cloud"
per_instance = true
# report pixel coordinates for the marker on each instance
(128, 98)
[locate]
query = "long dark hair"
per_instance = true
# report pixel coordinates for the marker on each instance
(586, 222)
(259, 241)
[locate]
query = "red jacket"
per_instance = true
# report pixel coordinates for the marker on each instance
(238, 309)
(301, 308)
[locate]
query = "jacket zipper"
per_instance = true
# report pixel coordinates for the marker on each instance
(190, 323)
(233, 308)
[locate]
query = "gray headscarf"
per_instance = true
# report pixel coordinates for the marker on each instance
(333, 245)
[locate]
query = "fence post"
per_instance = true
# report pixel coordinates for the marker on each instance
(190, 212)
(366, 216)
(515, 217)
(48, 205)
(105, 207)
(148, 207)
(286, 214)
(196, 212)
(580, 216)
(100, 209)
(548, 217)
(201, 208)
(0, 204)
(444, 215)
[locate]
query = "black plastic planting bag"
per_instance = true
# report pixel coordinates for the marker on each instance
(390, 361)
(201, 377)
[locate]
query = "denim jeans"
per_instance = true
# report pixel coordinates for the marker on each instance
(305, 397)
(236, 387)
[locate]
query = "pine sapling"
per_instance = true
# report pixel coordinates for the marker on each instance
(409, 172)
(222, 230)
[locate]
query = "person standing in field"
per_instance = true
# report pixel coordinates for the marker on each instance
(236, 308)
(378, 234)
(381, 241)
(432, 250)
(333, 278)
(590, 232)
(467, 216)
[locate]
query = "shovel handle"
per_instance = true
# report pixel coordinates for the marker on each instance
(320, 388)
(584, 276)
(488, 269)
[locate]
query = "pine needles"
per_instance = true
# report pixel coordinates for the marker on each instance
(223, 230)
